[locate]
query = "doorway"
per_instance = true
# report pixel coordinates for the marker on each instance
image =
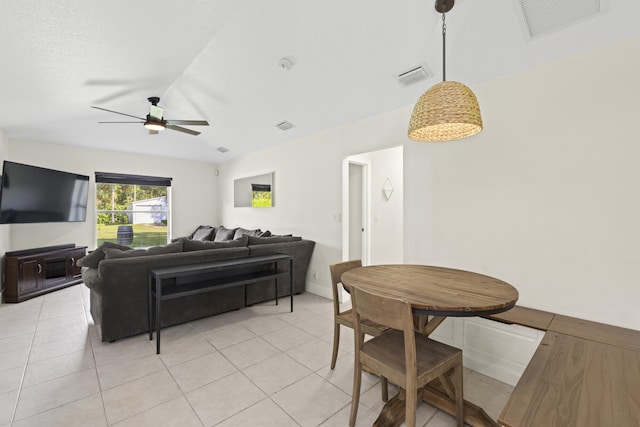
(357, 221)
(372, 226)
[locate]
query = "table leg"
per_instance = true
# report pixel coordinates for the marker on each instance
(436, 393)
(149, 305)
(393, 412)
(291, 281)
(275, 267)
(158, 300)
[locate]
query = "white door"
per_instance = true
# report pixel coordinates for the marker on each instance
(356, 210)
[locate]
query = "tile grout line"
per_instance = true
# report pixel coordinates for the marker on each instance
(93, 353)
(26, 363)
(53, 379)
(184, 395)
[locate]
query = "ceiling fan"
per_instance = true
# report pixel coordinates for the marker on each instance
(155, 121)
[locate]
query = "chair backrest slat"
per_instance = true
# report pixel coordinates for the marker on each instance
(383, 310)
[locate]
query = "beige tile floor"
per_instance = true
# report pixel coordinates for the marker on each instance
(260, 366)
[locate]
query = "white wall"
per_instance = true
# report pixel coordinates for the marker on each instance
(545, 198)
(387, 230)
(308, 187)
(194, 190)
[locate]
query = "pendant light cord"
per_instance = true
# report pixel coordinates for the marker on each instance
(444, 33)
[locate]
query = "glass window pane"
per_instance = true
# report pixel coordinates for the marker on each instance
(132, 215)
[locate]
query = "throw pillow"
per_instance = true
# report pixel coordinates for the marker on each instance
(274, 239)
(203, 234)
(195, 245)
(244, 232)
(201, 227)
(93, 259)
(111, 253)
(223, 233)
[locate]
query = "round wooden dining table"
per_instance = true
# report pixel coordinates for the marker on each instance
(434, 293)
(437, 291)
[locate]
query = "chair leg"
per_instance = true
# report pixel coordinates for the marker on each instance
(336, 344)
(384, 386)
(411, 405)
(355, 397)
(457, 380)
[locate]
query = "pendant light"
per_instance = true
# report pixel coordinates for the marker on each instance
(449, 110)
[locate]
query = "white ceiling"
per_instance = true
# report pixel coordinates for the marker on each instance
(217, 60)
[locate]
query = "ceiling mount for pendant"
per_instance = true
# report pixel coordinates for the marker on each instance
(444, 6)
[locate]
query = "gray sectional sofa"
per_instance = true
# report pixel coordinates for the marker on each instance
(117, 277)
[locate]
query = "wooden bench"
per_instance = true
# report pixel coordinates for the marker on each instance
(524, 316)
(583, 374)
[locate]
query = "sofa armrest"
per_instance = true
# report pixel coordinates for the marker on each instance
(91, 280)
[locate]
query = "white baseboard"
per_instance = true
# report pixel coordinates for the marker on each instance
(318, 289)
(491, 348)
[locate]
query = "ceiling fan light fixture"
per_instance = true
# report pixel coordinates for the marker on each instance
(156, 126)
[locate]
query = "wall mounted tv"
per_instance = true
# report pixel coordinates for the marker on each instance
(31, 194)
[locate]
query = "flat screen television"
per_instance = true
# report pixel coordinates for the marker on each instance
(31, 194)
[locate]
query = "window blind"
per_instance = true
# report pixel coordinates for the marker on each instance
(119, 178)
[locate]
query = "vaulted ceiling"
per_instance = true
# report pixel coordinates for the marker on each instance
(220, 60)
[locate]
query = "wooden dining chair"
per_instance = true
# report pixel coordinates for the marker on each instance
(405, 358)
(345, 318)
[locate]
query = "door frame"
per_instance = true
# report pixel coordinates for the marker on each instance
(365, 163)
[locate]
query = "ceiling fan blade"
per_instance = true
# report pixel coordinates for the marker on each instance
(116, 112)
(113, 96)
(120, 122)
(185, 130)
(188, 122)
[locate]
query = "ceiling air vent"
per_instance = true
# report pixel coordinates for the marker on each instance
(223, 149)
(285, 125)
(414, 76)
(540, 17)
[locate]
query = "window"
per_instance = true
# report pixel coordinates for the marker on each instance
(260, 195)
(132, 210)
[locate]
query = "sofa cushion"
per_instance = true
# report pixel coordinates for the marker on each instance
(111, 253)
(93, 259)
(223, 233)
(204, 234)
(244, 232)
(195, 245)
(273, 239)
(199, 229)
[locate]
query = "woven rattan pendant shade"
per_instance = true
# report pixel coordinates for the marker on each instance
(446, 112)
(449, 110)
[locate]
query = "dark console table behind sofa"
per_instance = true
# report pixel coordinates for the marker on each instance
(211, 276)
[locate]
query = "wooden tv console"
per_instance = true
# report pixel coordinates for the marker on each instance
(32, 272)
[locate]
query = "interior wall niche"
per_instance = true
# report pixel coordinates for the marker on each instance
(254, 191)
